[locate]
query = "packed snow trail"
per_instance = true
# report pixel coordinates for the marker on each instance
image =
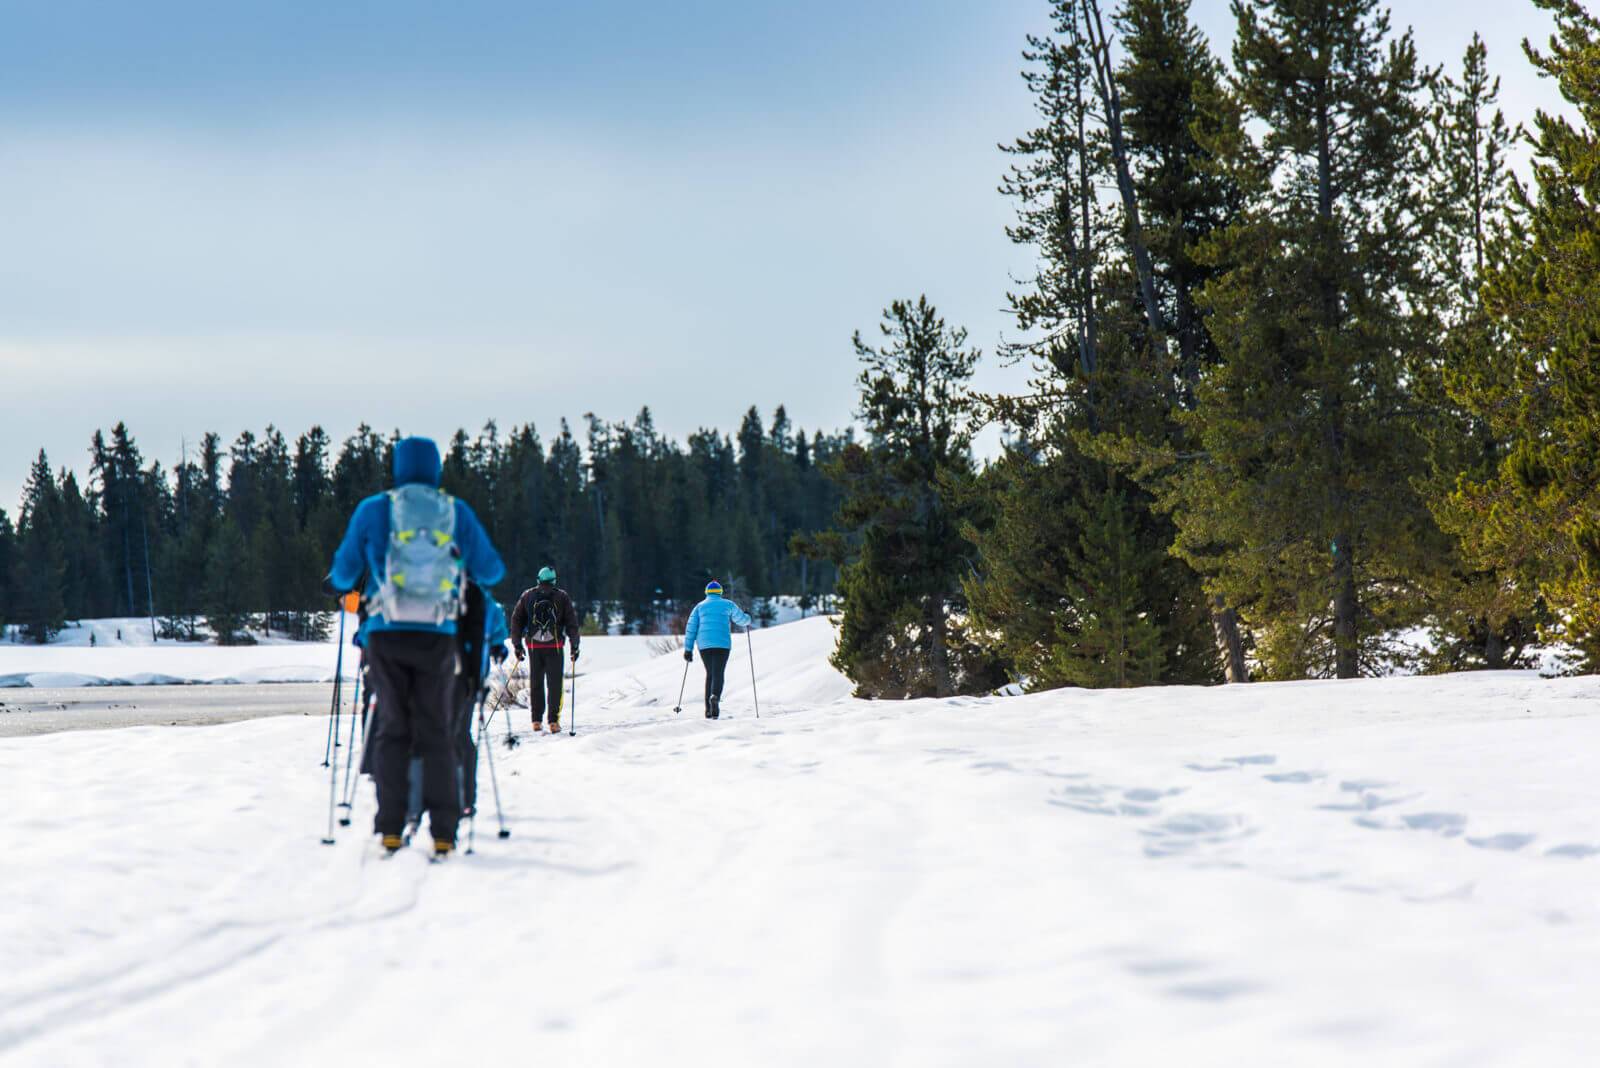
(1395, 872)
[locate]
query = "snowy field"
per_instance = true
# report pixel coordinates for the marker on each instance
(133, 660)
(1394, 872)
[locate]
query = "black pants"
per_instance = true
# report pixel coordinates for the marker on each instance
(466, 752)
(414, 673)
(544, 684)
(716, 661)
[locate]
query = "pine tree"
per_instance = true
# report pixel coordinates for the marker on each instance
(1531, 515)
(899, 543)
(1104, 371)
(1482, 617)
(8, 563)
(232, 589)
(1109, 639)
(1300, 507)
(37, 576)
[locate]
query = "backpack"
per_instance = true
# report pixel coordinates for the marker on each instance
(543, 626)
(422, 569)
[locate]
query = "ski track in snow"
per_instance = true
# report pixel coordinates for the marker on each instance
(1395, 872)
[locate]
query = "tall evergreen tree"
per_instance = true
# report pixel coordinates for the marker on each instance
(1529, 514)
(1103, 365)
(37, 577)
(1481, 616)
(8, 563)
(1301, 508)
(899, 544)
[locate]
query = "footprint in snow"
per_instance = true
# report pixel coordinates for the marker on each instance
(1366, 799)
(1213, 990)
(1091, 807)
(1183, 832)
(1162, 967)
(1573, 851)
(1255, 758)
(1144, 793)
(1295, 776)
(1448, 824)
(1505, 843)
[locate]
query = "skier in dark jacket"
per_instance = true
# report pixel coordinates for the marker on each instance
(418, 547)
(544, 621)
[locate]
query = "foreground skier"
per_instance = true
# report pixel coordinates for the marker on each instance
(418, 545)
(710, 627)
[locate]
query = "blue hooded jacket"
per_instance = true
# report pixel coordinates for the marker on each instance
(709, 623)
(494, 632)
(366, 539)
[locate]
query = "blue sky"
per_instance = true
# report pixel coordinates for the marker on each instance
(424, 215)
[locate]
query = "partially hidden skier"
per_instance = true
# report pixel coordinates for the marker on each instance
(419, 546)
(485, 627)
(711, 628)
(542, 624)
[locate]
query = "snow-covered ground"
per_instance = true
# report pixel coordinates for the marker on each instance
(134, 660)
(1394, 872)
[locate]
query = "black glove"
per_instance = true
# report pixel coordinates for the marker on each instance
(688, 656)
(574, 654)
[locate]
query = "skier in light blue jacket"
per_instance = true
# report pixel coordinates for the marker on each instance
(710, 627)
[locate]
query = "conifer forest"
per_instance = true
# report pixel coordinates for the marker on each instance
(1314, 340)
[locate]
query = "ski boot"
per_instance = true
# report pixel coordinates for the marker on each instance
(713, 708)
(555, 725)
(442, 850)
(392, 844)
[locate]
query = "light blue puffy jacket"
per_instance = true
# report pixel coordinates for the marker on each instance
(709, 624)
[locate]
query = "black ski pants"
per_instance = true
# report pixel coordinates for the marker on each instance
(544, 683)
(415, 674)
(716, 661)
(466, 752)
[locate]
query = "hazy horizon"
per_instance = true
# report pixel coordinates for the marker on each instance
(425, 218)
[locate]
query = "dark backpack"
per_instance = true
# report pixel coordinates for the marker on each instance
(543, 622)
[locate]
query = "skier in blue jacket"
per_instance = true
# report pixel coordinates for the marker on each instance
(419, 547)
(710, 627)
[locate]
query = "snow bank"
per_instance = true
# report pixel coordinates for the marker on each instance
(1395, 872)
(134, 663)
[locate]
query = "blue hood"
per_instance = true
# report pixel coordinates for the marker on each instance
(416, 460)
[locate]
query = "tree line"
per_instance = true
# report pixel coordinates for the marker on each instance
(1311, 367)
(235, 539)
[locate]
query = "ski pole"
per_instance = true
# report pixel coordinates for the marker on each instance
(499, 812)
(750, 644)
(572, 713)
(360, 759)
(477, 743)
(338, 675)
(681, 687)
(350, 755)
(332, 761)
(511, 737)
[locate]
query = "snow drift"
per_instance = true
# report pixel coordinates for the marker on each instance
(1390, 872)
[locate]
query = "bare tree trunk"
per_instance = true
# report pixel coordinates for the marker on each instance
(1494, 648)
(939, 648)
(1105, 80)
(1225, 625)
(1347, 663)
